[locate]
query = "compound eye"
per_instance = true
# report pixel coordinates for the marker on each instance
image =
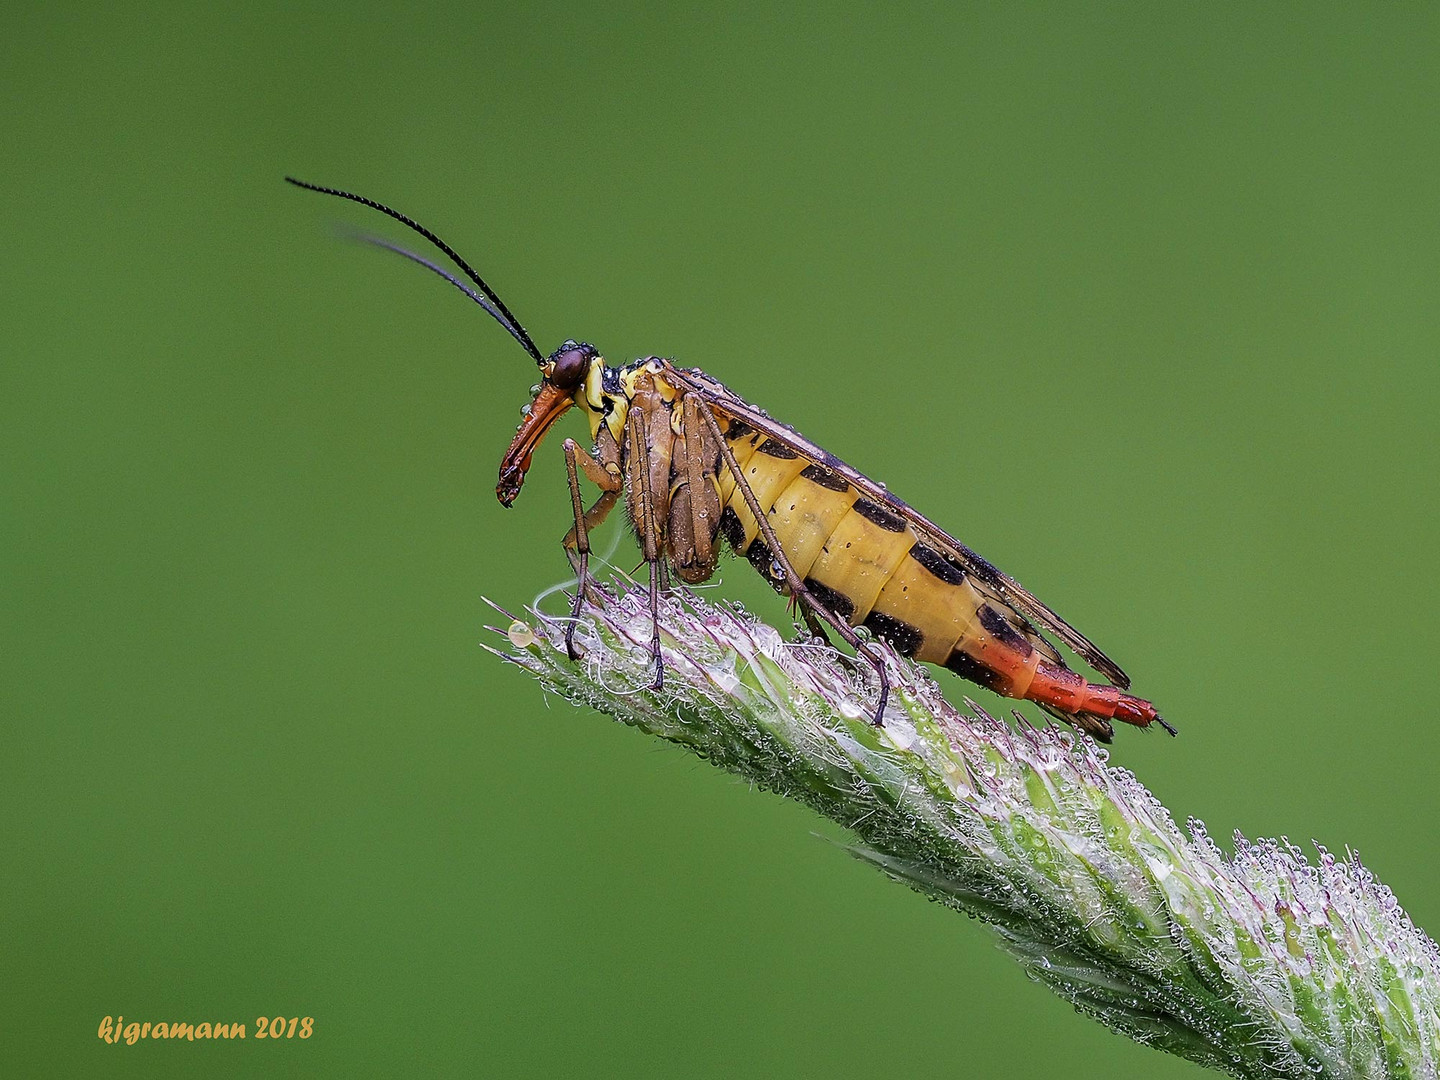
(570, 364)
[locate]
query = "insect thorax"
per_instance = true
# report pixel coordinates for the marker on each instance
(609, 391)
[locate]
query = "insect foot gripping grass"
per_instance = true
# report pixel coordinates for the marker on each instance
(1260, 965)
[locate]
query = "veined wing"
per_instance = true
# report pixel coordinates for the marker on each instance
(1001, 591)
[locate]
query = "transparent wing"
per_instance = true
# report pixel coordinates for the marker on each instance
(1027, 614)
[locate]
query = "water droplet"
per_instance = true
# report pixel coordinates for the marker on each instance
(520, 635)
(726, 680)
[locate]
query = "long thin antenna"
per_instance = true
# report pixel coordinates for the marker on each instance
(484, 302)
(508, 321)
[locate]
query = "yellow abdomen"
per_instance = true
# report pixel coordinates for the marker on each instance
(865, 563)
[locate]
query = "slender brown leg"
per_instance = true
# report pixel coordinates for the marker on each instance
(639, 464)
(659, 682)
(812, 621)
(792, 580)
(577, 540)
(696, 480)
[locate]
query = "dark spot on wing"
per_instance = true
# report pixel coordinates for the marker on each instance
(969, 668)
(873, 511)
(840, 605)
(818, 474)
(939, 564)
(1002, 631)
(983, 570)
(776, 449)
(905, 638)
(737, 429)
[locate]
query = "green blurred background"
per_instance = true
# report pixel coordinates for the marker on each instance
(1139, 300)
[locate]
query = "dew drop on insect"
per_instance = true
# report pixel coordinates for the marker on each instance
(525, 410)
(535, 389)
(520, 635)
(777, 571)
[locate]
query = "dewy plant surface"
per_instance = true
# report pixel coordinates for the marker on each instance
(1264, 964)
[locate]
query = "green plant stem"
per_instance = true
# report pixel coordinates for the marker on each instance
(1263, 964)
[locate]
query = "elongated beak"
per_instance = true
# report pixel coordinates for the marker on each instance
(547, 407)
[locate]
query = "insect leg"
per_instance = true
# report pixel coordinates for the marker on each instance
(797, 587)
(577, 540)
(655, 568)
(814, 624)
(638, 463)
(695, 478)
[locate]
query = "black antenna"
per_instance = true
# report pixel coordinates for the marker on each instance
(499, 311)
(490, 309)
